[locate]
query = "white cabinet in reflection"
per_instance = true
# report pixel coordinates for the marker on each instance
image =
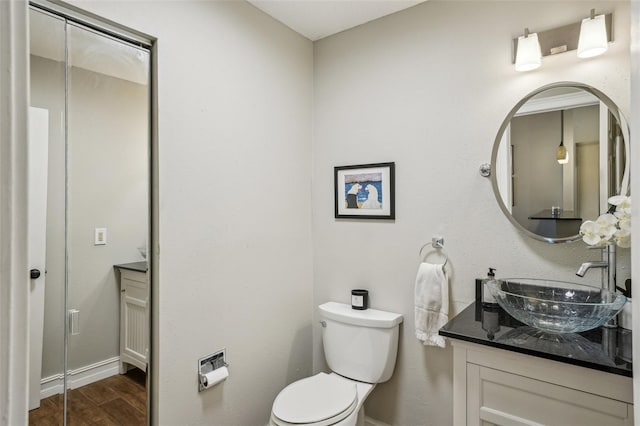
(134, 319)
(498, 387)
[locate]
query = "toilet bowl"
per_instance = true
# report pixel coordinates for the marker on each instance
(360, 348)
(321, 400)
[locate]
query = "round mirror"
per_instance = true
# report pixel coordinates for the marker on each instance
(559, 155)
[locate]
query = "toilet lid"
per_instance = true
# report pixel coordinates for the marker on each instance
(314, 399)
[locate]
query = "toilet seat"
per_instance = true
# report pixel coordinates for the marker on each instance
(318, 400)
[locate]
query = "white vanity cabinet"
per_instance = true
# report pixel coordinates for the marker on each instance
(134, 318)
(499, 387)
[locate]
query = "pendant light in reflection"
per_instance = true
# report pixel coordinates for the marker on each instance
(562, 155)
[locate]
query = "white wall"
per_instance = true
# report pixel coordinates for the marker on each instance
(234, 130)
(428, 88)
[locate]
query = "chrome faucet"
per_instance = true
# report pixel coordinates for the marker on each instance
(608, 267)
(588, 265)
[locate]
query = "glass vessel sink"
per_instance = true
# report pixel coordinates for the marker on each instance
(556, 306)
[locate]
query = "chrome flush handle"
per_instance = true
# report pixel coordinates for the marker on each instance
(323, 324)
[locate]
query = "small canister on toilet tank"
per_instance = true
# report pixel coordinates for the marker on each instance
(359, 299)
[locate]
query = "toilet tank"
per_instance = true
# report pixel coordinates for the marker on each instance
(360, 344)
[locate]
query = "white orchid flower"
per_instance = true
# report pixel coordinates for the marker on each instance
(622, 233)
(607, 225)
(617, 200)
(606, 219)
(610, 227)
(590, 231)
(624, 242)
(622, 203)
(623, 238)
(624, 220)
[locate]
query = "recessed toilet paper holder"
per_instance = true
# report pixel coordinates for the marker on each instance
(210, 363)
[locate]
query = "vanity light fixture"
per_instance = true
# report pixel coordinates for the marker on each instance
(528, 54)
(529, 49)
(562, 155)
(593, 36)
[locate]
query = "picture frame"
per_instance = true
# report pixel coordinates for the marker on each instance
(365, 191)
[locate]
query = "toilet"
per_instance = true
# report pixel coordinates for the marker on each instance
(360, 347)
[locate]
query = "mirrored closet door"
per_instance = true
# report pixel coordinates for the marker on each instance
(88, 224)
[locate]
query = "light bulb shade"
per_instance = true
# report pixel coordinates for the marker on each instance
(528, 55)
(562, 155)
(593, 37)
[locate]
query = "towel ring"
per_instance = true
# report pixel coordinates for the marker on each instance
(438, 244)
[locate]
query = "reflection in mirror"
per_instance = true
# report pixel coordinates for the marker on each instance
(90, 118)
(559, 155)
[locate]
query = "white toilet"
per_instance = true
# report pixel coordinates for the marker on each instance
(360, 348)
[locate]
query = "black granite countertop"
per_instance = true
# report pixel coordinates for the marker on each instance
(134, 266)
(600, 349)
(548, 215)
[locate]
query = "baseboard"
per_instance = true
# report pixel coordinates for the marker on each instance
(52, 385)
(368, 421)
(79, 377)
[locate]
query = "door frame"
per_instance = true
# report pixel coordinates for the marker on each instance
(14, 278)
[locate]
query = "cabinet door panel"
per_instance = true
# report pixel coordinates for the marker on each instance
(135, 338)
(501, 418)
(134, 320)
(511, 400)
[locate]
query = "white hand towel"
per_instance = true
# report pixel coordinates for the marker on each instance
(431, 303)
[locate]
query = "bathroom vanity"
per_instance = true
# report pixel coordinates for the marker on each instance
(507, 373)
(134, 315)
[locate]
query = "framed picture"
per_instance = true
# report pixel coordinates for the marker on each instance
(365, 191)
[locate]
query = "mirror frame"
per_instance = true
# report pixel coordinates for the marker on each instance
(613, 108)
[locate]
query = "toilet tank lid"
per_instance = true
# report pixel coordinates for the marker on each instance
(368, 318)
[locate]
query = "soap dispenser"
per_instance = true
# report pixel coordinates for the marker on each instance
(487, 298)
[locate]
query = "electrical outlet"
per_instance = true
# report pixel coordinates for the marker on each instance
(100, 237)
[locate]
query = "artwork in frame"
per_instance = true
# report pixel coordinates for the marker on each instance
(365, 191)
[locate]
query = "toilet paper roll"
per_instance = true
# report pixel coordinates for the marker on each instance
(214, 377)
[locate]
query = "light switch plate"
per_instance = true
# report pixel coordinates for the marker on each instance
(74, 322)
(100, 237)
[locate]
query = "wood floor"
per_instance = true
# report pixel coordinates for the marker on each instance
(119, 400)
